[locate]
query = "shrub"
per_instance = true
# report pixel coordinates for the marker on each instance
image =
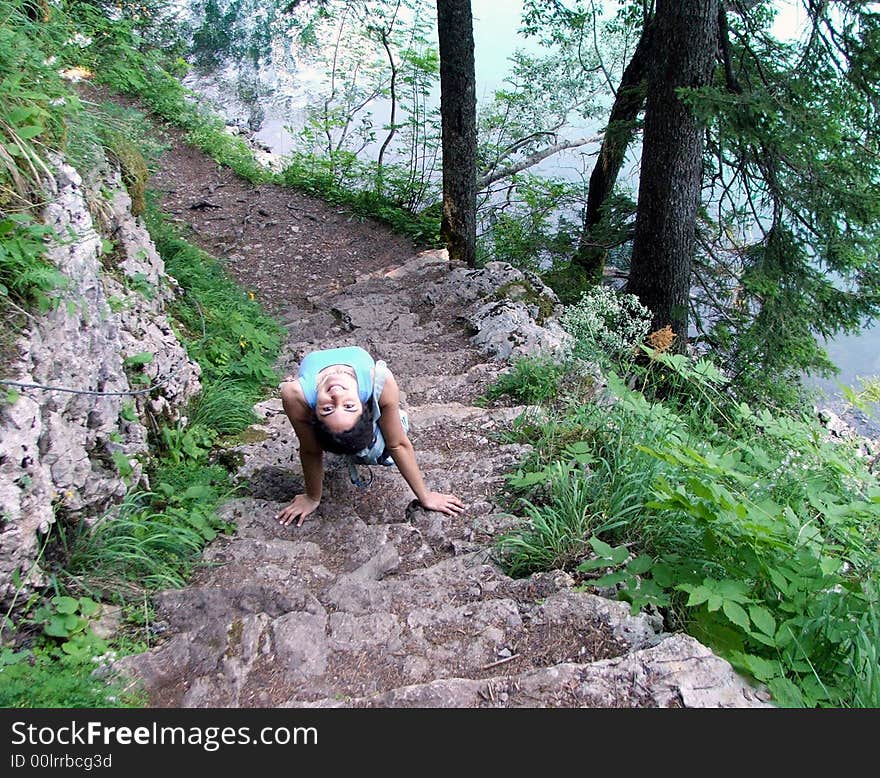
(606, 326)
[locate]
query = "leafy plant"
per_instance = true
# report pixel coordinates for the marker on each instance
(65, 617)
(752, 530)
(558, 526)
(46, 678)
(26, 277)
(606, 326)
(153, 540)
(530, 380)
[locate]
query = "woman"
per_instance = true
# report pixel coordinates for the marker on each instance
(345, 402)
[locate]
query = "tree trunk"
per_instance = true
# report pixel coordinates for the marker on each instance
(669, 186)
(591, 254)
(458, 116)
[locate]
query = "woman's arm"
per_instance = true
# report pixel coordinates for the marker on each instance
(402, 452)
(311, 456)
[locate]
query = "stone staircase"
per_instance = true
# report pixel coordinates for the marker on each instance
(375, 602)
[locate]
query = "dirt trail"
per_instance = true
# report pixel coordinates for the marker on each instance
(374, 601)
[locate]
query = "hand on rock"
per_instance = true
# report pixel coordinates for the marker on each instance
(301, 507)
(443, 503)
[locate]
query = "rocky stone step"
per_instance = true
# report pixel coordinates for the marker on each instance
(677, 672)
(439, 388)
(374, 601)
(458, 618)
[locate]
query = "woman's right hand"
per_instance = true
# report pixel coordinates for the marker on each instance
(301, 507)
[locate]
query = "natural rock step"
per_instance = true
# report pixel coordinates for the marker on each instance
(433, 388)
(459, 618)
(677, 672)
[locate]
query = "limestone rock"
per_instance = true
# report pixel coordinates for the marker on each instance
(72, 448)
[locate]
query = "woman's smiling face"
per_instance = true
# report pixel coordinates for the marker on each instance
(338, 404)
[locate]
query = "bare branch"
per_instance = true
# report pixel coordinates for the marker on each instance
(534, 159)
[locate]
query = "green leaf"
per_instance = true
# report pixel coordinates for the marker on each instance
(592, 564)
(664, 575)
(611, 556)
(601, 547)
(65, 605)
(56, 628)
(71, 648)
(779, 581)
(73, 623)
(88, 607)
(198, 492)
(760, 668)
(763, 639)
(612, 579)
(698, 594)
(785, 693)
(144, 358)
(733, 590)
(736, 614)
(31, 131)
(763, 620)
(641, 564)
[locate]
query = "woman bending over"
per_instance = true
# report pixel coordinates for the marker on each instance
(344, 402)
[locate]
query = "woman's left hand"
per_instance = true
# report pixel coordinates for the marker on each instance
(443, 503)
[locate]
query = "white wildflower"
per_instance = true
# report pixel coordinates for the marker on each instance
(606, 323)
(79, 40)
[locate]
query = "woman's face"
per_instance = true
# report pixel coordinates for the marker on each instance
(338, 404)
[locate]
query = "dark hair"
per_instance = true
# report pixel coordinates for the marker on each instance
(350, 441)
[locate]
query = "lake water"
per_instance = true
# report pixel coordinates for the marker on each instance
(496, 23)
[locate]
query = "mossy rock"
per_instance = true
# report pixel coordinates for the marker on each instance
(524, 291)
(134, 171)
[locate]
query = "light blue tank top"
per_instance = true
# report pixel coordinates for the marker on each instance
(353, 356)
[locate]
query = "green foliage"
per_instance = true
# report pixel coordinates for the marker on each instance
(180, 444)
(528, 220)
(225, 407)
(344, 180)
(533, 229)
(606, 326)
(212, 138)
(558, 528)
(226, 331)
(34, 103)
(151, 541)
(65, 618)
(531, 380)
(754, 529)
(626, 573)
(48, 678)
(791, 254)
(25, 276)
(138, 360)
(866, 398)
